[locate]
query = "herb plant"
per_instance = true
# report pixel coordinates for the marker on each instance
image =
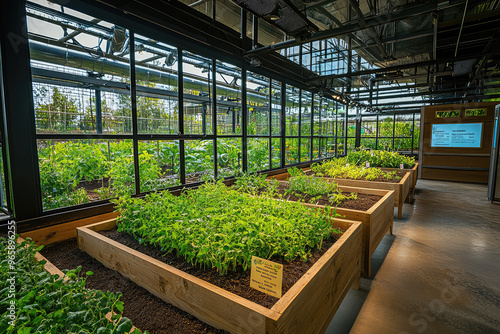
(378, 158)
(256, 184)
(45, 303)
(341, 168)
(316, 188)
(219, 227)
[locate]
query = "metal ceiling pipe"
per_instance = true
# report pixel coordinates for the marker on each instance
(398, 15)
(83, 61)
(461, 27)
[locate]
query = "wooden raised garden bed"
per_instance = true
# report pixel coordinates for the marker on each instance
(413, 174)
(401, 189)
(377, 220)
(307, 307)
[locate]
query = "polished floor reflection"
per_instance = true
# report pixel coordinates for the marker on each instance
(439, 273)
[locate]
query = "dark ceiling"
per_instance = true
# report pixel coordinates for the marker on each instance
(444, 47)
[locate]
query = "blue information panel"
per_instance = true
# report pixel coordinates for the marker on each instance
(456, 135)
(495, 134)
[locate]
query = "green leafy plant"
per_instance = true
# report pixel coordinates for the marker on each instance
(378, 158)
(45, 303)
(219, 227)
(255, 184)
(342, 169)
(294, 172)
(316, 187)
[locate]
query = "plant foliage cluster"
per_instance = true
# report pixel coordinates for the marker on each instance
(342, 169)
(45, 303)
(300, 185)
(219, 227)
(378, 158)
(66, 166)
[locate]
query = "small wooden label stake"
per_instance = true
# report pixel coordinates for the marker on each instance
(266, 276)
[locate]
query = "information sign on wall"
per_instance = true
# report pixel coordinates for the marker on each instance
(457, 135)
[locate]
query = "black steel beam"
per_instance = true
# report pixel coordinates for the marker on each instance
(133, 105)
(214, 115)
(396, 39)
(373, 32)
(283, 124)
(438, 101)
(244, 120)
(21, 160)
(177, 24)
(361, 44)
(180, 91)
(398, 15)
(398, 67)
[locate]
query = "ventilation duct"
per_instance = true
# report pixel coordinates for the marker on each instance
(277, 13)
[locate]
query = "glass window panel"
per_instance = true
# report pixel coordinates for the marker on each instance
(275, 152)
(385, 144)
(328, 118)
(351, 127)
(340, 119)
(157, 85)
(258, 154)
(292, 111)
(291, 151)
(116, 113)
(60, 72)
(403, 133)
(305, 149)
(328, 147)
(368, 126)
(369, 143)
(306, 56)
(416, 133)
(318, 115)
(198, 94)
(229, 157)
(79, 171)
(257, 104)
(199, 160)
(157, 115)
(305, 120)
(340, 146)
(228, 99)
(317, 152)
(351, 145)
(276, 107)
(386, 126)
(158, 164)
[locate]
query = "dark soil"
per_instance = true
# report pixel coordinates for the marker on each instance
(146, 311)
(400, 174)
(363, 203)
(236, 282)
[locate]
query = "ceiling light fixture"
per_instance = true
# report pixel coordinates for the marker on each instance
(271, 17)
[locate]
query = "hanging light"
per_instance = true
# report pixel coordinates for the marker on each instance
(170, 60)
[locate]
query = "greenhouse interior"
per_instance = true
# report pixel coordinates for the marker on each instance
(257, 167)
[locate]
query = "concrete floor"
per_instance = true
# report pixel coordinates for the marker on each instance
(438, 273)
